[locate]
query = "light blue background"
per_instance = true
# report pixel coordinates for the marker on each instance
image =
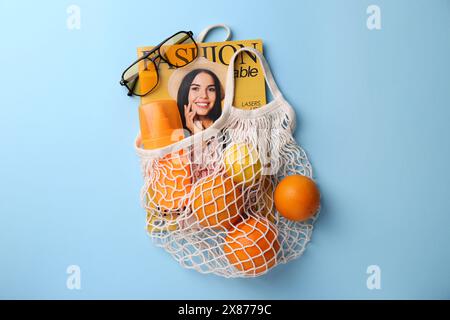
(373, 111)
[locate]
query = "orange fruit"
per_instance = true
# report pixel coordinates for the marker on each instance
(169, 188)
(216, 202)
(297, 198)
(252, 246)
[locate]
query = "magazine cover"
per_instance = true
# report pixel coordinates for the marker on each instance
(211, 67)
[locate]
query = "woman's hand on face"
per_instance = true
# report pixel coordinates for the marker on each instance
(189, 115)
(190, 119)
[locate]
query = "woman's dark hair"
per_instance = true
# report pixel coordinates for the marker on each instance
(183, 95)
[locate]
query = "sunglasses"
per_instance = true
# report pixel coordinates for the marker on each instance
(142, 76)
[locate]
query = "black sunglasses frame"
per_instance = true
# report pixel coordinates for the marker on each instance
(157, 48)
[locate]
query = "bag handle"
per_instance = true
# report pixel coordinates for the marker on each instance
(229, 94)
(202, 35)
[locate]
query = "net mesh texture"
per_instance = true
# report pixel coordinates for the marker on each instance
(210, 204)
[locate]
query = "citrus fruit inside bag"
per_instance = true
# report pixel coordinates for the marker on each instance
(209, 198)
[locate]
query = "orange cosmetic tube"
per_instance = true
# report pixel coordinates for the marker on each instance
(161, 126)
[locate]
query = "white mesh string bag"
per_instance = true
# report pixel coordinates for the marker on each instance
(209, 198)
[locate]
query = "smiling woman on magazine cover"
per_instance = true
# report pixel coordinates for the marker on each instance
(198, 90)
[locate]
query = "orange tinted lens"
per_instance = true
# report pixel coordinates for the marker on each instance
(148, 77)
(179, 50)
(141, 77)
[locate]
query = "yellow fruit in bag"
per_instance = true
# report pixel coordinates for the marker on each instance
(242, 163)
(216, 202)
(161, 222)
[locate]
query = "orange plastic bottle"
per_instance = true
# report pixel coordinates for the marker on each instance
(161, 126)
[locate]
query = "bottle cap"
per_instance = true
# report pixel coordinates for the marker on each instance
(160, 124)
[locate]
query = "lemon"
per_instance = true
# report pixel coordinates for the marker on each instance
(242, 163)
